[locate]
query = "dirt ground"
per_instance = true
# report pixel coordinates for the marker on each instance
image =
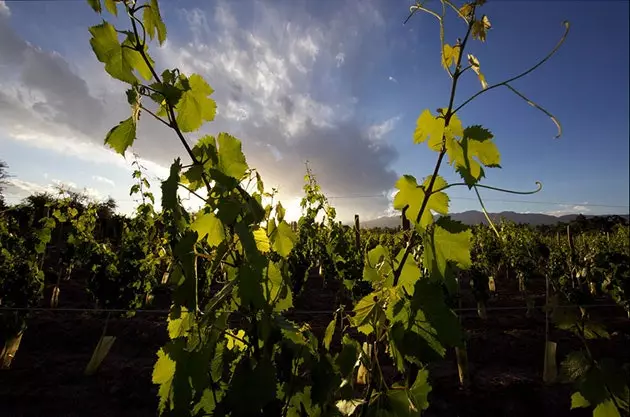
(505, 354)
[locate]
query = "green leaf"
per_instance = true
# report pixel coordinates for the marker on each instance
(241, 399)
(262, 241)
(410, 403)
(330, 331)
(348, 407)
(282, 237)
(428, 298)
(122, 136)
(475, 149)
(153, 22)
(231, 158)
(207, 224)
(194, 106)
(180, 321)
(367, 312)
(409, 274)
(120, 62)
(480, 28)
(578, 401)
(448, 241)
(450, 55)
(163, 374)
(95, 5)
(474, 62)
(574, 366)
(111, 7)
(432, 130)
(429, 129)
(279, 292)
(411, 194)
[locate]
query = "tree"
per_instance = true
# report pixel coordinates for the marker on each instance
(4, 175)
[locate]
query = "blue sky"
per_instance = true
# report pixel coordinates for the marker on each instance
(340, 83)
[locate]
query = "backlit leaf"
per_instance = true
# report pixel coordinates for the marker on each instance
(450, 55)
(207, 224)
(282, 237)
(122, 136)
(195, 106)
(449, 241)
(475, 149)
(480, 28)
(153, 22)
(95, 5)
(330, 331)
(231, 158)
(412, 195)
(111, 7)
(262, 241)
(120, 62)
(474, 62)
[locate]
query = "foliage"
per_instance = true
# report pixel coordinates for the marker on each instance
(226, 339)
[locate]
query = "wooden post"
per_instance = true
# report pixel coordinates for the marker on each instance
(357, 231)
(406, 225)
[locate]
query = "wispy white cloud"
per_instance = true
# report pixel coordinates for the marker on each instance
(340, 58)
(280, 88)
(103, 180)
(379, 131)
(4, 9)
(392, 79)
(565, 209)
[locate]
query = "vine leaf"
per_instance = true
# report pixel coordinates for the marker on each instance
(450, 55)
(153, 22)
(412, 195)
(409, 274)
(120, 59)
(473, 150)
(262, 240)
(330, 331)
(95, 5)
(180, 321)
(431, 129)
(474, 64)
(110, 5)
(122, 136)
(448, 241)
(210, 226)
(194, 107)
(480, 28)
(282, 237)
(163, 374)
(412, 401)
(279, 292)
(367, 311)
(231, 158)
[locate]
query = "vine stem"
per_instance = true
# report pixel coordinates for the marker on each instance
(521, 75)
(171, 112)
(429, 189)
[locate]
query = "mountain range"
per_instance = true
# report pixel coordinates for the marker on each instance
(473, 217)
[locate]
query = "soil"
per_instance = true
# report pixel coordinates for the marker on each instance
(505, 354)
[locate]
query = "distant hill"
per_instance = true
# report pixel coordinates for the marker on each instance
(473, 217)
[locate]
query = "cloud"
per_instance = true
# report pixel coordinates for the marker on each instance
(286, 83)
(4, 9)
(20, 189)
(103, 180)
(378, 131)
(340, 58)
(392, 79)
(565, 209)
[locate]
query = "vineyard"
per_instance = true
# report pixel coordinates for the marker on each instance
(232, 310)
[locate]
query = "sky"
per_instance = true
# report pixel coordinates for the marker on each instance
(339, 83)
